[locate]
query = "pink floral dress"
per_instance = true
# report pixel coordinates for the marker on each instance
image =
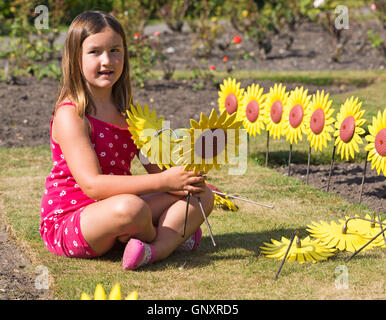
(63, 200)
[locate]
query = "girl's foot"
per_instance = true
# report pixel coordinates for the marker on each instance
(137, 254)
(192, 243)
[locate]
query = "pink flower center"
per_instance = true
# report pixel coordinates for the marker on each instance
(252, 111)
(380, 142)
(347, 129)
(276, 111)
(231, 103)
(296, 116)
(317, 121)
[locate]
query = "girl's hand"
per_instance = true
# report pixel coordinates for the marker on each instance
(178, 179)
(202, 187)
(185, 193)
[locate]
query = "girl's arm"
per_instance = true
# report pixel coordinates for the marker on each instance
(72, 134)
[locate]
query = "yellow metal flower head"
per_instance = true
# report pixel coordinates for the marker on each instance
(209, 143)
(319, 120)
(294, 114)
(274, 104)
(251, 110)
(302, 251)
(149, 135)
(377, 143)
(348, 128)
(368, 228)
(115, 294)
(230, 96)
(224, 202)
(334, 235)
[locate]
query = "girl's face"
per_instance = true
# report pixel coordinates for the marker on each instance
(102, 59)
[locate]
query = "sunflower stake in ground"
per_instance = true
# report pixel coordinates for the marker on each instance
(294, 114)
(376, 147)
(274, 104)
(251, 110)
(318, 122)
(377, 143)
(347, 131)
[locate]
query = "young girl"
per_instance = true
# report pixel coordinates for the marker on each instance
(91, 200)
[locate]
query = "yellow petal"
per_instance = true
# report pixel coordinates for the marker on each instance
(85, 296)
(115, 293)
(132, 296)
(99, 293)
(194, 124)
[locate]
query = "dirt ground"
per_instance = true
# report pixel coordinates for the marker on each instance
(312, 49)
(26, 106)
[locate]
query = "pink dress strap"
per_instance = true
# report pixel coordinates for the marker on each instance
(65, 104)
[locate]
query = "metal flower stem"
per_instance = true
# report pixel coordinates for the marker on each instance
(157, 133)
(296, 233)
(248, 147)
(380, 224)
(207, 222)
(289, 160)
(243, 199)
(364, 246)
(186, 213)
(267, 150)
(361, 218)
(204, 215)
(363, 177)
(331, 167)
(308, 164)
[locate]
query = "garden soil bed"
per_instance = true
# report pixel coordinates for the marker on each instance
(26, 107)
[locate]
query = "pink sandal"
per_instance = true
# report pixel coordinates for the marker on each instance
(137, 254)
(192, 243)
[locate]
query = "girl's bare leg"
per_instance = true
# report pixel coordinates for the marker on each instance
(125, 215)
(171, 222)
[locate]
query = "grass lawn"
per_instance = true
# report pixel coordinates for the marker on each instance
(235, 269)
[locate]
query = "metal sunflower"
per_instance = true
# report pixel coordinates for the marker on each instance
(224, 202)
(377, 143)
(319, 120)
(305, 250)
(367, 227)
(209, 143)
(150, 136)
(348, 128)
(334, 235)
(230, 96)
(251, 110)
(274, 104)
(294, 114)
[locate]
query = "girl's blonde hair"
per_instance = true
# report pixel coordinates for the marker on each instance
(73, 86)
